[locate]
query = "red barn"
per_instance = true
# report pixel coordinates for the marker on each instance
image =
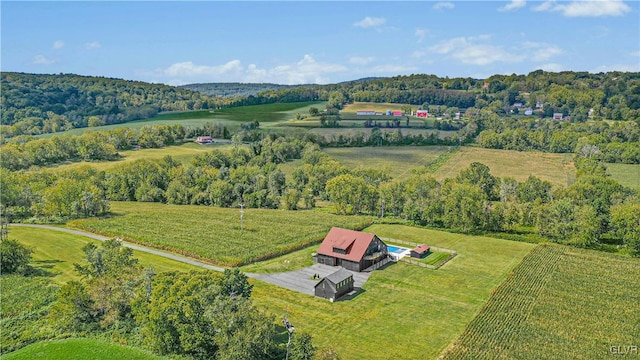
(396, 113)
(422, 113)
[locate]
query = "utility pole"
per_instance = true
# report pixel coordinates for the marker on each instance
(242, 216)
(290, 329)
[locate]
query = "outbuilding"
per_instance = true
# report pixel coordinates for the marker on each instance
(335, 285)
(420, 251)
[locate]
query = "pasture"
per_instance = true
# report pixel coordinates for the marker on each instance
(398, 161)
(625, 174)
(182, 153)
(559, 303)
(558, 169)
(79, 348)
(55, 252)
(235, 116)
(379, 107)
(214, 234)
(411, 312)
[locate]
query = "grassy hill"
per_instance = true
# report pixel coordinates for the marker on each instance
(79, 349)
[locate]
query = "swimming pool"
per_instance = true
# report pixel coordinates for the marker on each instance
(396, 249)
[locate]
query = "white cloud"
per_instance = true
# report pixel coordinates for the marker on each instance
(617, 67)
(42, 60)
(361, 60)
(370, 22)
(551, 67)
(93, 45)
(421, 34)
(443, 5)
(418, 54)
(541, 51)
(477, 50)
(305, 71)
(58, 44)
(586, 8)
(635, 53)
(514, 4)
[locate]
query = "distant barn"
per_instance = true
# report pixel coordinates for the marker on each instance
(396, 113)
(353, 250)
(422, 113)
(204, 139)
(420, 251)
(335, 285)
(365, 112)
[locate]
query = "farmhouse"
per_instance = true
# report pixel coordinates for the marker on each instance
(204, 139)
(422, 113)
(353, 250)
(420, 251)
(335, 285)
(557, 116)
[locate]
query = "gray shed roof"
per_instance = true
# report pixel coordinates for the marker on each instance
(338, 276)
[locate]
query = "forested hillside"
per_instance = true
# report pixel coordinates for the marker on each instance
(33, 104)
(234, 89)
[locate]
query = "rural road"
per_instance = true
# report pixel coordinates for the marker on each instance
(183, 259)
(298, 280)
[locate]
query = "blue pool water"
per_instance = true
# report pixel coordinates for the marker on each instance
(396, 249)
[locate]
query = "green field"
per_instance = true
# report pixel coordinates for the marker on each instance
(625, 174)
(409, 311)
(398, 161)
(380, 107)
(55, 252)
(213, 234)
(558, 169)
(328, 133)
(268, 113)
(182, 153)
(78, 349)
(560, 303)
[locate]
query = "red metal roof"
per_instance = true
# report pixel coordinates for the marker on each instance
(354, 242)
(421, 249)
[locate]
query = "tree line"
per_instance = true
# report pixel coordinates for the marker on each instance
(195, 315)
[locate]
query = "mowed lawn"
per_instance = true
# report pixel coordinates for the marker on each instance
(380, 107)
(558, 169)
(79, 349)
(214, 234)
(398, 161)
(405, 311)
(625, 174)
(55, 252)
(560, 303)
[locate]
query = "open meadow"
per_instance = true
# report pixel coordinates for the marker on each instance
(234, 116)
(559, 303)
(558, 169)
(625, 174)
(398, 161)
(379, 107)
(405, 311)
(214, 234)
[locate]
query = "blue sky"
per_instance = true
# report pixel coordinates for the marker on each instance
(317, 42)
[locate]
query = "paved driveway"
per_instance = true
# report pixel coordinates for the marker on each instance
(300, 280)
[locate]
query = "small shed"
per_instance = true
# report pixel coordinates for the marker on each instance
(335, 285)
(420, 251)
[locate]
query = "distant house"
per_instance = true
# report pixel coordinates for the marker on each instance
(557, 116)
(204, 139)
(457, 116)
(422, 113)
(388, 113)
(379, 113)
(528, 111)
(335, 285)
(365, 112)
(353, 250)
(420, 251)
(485, 85)
(518, 105)
(539, 105)
(396, 113)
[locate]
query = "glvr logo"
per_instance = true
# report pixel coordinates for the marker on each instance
(623, 349)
